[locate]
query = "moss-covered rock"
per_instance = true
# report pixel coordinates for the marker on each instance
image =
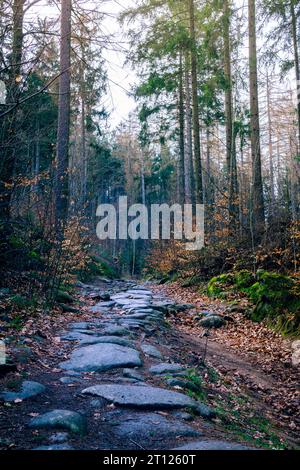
(276, 297)
(219, 285)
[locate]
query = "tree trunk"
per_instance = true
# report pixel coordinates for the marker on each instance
(297, 65)
(232, 182)
(272, 185)
(196, 124)
(63, 131)
(9, 131)
(258, 214)
(181, 133)
(188, 163)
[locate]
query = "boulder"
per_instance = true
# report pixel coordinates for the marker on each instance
(60, 419)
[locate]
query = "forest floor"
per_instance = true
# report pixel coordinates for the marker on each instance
(246, 385)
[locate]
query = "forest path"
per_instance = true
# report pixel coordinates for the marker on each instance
(120, 378)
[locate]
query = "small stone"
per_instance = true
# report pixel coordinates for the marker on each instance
(59, 437)
(68, 380)
(29, 389)
(60, 419)
(212, 321)
(183, 415)
(55, 447)
(151, 351)
(205, 411)
(185, 384)
(4, 292)
(166, 368)
(133, 374)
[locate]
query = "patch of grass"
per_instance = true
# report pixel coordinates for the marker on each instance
(256, 430)
(193, 377)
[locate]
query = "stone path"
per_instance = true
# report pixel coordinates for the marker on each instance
(122, 390)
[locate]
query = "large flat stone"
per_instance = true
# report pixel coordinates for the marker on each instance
(166, 368)
(102, 357)
(106, 339)
(147, 427)
(212, 445)
(147, 397)
(60, 419)
(28, 389)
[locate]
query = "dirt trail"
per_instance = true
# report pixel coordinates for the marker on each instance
(117, 376)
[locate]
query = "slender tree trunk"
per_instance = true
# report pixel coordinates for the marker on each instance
(196, 124)
(272, 185)
(9, 130)
(230, 134)
(258, 214)
(297, 65)
(188, 173)
(181, 134)
(63, 131)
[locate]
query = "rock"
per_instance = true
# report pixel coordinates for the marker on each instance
(137, 316)
(82, 325)
(102, 306)
(68, 309)
(151, 427)
(151, 351)
(68, 380)
(104, 296)
(296, 353)
(205, 411)
(97, 403)
(55, 447)
(4, 292)
(212, 445)
(74, 336)
(133, 374)
(29, 389)
(59, 437)
(106, 339)
(115, 331)
(185, 384)
(147, 397)
(22, 354)
(183, 415)
(166, 368)
(212, 321)
(64, 297)
(102, 357)
(60, 419)
(144, 292)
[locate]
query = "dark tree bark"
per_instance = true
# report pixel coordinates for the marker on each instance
(9, 129)
(297, 65)
(181, 133)
(258, 213)
(232, 179)
(63, 130)
(188, 163)
(196, 124)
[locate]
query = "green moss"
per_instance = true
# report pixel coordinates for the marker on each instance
(244, 279)
(276, 297)
(219, 285)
